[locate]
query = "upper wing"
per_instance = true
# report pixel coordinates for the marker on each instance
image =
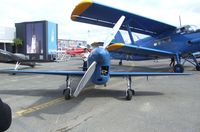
(124, 74)
(128, 49)
(103, 15)
(49, 72)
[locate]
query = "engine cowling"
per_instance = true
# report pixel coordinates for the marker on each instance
(102, 58)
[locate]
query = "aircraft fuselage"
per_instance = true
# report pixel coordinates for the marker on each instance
(177, 43)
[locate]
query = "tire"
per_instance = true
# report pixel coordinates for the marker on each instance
(133, 92)
(129, 94)
(178, 68)
(66, 93)
(198, 67)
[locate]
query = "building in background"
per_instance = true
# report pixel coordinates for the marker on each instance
(64, 44)
(39, 39)
(7, 34)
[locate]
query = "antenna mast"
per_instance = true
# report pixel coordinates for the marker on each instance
(180, 21)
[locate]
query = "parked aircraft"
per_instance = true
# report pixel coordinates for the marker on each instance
(165, 41)
(98, 71)
(76, 51)
(16, 58)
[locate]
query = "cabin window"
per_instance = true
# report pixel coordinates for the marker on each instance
(104, 70)
(163, 40)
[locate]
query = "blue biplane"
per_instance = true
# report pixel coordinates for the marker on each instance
(165, 41)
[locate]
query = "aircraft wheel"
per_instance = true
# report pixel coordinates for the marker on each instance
(178, 68)
(198, 68)
(66, 93)
(133, 92)
(129, 94)
(120, 63)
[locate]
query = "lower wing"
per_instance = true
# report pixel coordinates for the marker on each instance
(49, 72)
(134, 52)
(81, 73)
(125, 74)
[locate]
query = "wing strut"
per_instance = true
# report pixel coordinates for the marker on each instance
(130, 34)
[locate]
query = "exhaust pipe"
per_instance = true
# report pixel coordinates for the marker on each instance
(194, 41)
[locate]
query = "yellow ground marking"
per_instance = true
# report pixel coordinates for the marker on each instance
(38, 107)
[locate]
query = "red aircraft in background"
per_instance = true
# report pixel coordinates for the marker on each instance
(75, 51)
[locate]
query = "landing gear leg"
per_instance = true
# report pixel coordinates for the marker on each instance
(178, 67)
(67, 91)
(129, 92)
(120, 62)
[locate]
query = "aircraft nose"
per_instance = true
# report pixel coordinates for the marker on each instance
(194, 41)
(100, 55)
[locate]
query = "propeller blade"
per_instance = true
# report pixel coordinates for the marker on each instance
(114, 31)
(88, 74)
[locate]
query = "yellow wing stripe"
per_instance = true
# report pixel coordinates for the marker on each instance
(80, 8)
(115, 46)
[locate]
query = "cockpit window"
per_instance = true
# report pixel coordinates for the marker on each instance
(104, 70)
(187, 29)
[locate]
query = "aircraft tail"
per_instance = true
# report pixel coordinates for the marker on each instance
(118, 38)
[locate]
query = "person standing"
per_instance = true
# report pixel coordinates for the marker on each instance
(85, 55)
(172, 63)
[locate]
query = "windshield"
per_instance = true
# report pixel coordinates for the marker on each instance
(187, 29)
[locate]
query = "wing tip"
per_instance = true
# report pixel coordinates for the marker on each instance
(80, 8)
(115, 46)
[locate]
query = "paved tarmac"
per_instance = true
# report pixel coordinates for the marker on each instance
(161, 104)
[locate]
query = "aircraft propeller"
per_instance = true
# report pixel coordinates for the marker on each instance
(88, 74)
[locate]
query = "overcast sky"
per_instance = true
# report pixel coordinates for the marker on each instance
(59, 11)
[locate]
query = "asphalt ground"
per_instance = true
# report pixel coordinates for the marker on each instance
(161, 104)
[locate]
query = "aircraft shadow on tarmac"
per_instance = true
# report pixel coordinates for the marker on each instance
(118, 94)
(66, 106)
